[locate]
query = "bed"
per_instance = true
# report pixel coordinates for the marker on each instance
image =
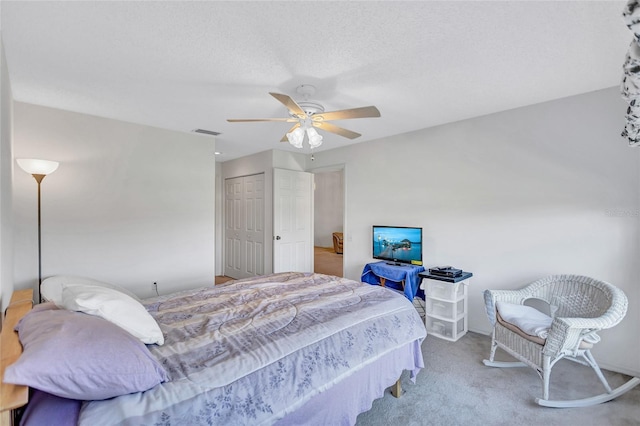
(288, 348)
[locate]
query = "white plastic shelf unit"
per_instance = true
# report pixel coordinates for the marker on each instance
(445, 305)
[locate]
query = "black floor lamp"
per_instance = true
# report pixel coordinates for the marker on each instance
(38, 169)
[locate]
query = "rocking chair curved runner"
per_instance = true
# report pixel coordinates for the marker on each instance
(579, 307)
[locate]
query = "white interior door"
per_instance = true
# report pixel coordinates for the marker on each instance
(292, 221)
(253, 262)
(232, 224)
(244, 226)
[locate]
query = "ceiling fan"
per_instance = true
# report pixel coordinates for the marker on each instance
(308, 116)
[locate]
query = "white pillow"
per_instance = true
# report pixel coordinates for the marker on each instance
(528, 319)
(115, 307)
(52, 287)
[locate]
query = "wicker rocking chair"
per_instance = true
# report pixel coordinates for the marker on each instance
(579, 307)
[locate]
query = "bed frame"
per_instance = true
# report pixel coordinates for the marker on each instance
(12, 396)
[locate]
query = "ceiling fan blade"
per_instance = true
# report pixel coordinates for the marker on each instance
(244, 120)
(335, 129)
(284, 138)
(344, 114)
(290, 104)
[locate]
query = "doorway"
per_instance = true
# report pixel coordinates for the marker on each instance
(328, 219)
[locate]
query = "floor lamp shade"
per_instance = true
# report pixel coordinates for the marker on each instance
(38, 169)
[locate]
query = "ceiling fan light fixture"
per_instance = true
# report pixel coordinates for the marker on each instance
(315, 139)
(306, 113)
(296, 137)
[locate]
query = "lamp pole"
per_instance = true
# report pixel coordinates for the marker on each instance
(38, 169)
(38, 179)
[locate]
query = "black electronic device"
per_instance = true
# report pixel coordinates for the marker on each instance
(445, 271)
(397, 244)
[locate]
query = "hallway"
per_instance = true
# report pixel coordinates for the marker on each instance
(327, 261)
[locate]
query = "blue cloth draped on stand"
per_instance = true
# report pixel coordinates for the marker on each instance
(393, 275)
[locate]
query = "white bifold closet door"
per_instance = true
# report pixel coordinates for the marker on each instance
(244, 226)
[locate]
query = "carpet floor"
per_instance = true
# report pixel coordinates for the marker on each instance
(455, 388)
(327, 261)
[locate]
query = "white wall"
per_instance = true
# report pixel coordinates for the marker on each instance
(513, 196)
(329, 206)
(6, 173)
(129, 204)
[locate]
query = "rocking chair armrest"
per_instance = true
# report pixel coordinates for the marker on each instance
(599, 323)
(566, 334)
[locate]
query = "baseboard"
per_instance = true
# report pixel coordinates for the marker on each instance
(483, 332)
(618, 369)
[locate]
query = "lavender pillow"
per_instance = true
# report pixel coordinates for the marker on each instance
(79, 356)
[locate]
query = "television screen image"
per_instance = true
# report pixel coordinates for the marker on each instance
(397, 243)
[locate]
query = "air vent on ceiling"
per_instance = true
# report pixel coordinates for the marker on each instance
(206, 132)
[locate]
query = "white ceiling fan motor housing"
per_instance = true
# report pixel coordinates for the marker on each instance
(307, 90)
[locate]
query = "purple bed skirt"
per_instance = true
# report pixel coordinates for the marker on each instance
(341, 404)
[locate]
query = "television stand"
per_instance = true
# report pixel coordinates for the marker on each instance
(395, 263)
(403, 277)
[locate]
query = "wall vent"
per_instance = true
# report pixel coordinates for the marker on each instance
(206, 132)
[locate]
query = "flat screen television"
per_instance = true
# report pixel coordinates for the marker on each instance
(397, 244)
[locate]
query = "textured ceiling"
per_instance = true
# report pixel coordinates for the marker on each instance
(188, 65)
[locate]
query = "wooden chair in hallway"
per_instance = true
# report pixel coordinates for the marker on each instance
(337, 242)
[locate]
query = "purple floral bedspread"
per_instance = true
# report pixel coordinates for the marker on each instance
(255, 350)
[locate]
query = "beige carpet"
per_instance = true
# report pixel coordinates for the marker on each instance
(455, 388)
(221, 279)
(327, 261)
